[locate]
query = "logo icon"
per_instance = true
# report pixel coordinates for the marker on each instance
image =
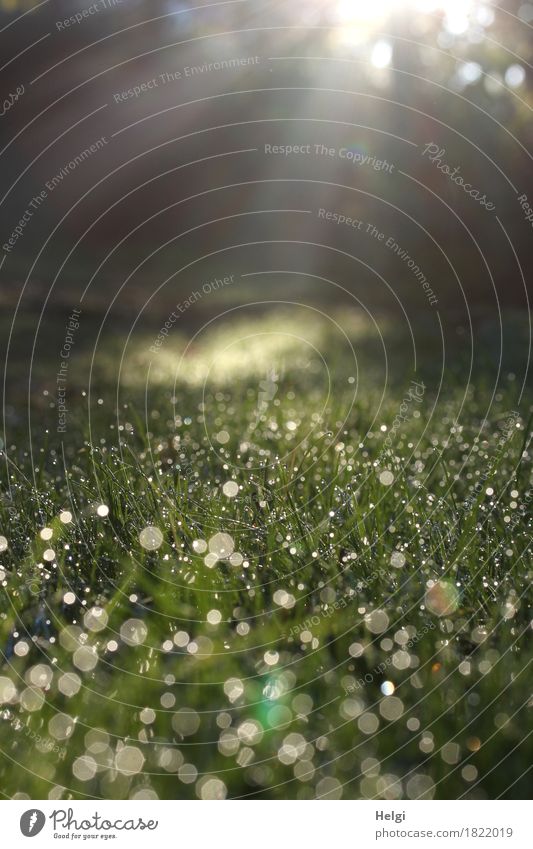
(32, 822)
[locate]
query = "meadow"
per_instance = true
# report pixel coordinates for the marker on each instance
(263, 565)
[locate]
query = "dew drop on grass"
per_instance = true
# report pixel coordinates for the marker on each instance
(85, 658)
(230, 489)
(233, 688)
(210, 560)
(8, 691)
(377, 621)
(284, 599)
(368, 723)
(129, 760)
(391, 708)
(386, 478)
(187, 773)
(69, 684)
(186, 722)
(84, 768)
(211, 788)
(95, 619)
(61, 726)
(69, 637)
(168, 700)
(147, 716)
(102, 511)
(31, 699)
(40, 675)
(3, 544)
(356, 650)
(21, 648)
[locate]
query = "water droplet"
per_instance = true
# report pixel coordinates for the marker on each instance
(151, 538)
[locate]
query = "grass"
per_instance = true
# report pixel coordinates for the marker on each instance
(354, 621)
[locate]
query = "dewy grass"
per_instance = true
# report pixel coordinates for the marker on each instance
(227, 590)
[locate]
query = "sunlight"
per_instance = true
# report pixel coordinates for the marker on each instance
(367, 14)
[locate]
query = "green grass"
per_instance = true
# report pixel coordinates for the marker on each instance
(130, 673)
